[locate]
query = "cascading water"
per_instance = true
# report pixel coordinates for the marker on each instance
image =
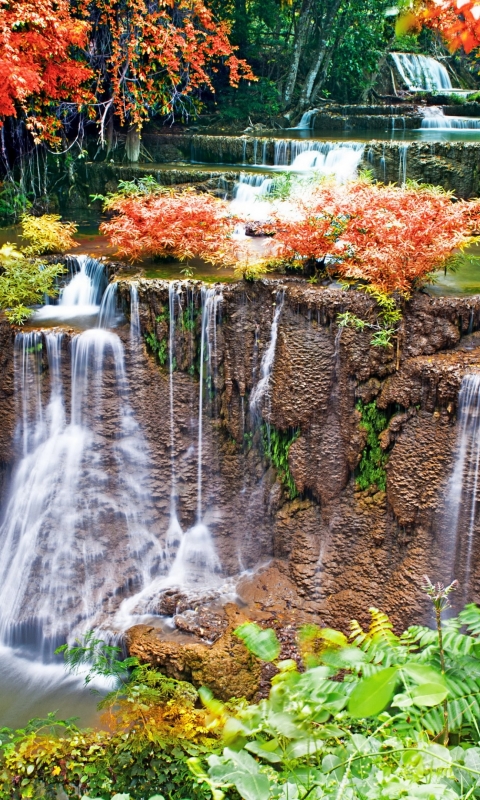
(339, 159)
(261, 393)
(402, 164)
(435, 119)
(134, 314)
(464, 485)
(196, 563)
(78, 514)
(421, 73)
(82, 296)
(174, 532)
(307, 120)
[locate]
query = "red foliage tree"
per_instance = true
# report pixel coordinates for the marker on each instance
(38, 69)
(458, 21)
(150, 55)
(177, 224)
(391, 237)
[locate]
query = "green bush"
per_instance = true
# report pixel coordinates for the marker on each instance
(368, 716)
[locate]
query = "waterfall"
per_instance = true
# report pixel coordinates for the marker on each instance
(422, 73)
(262, 389)
(197, 563)
(435, 119)
(174, 532)
(402, 164)
(307, 120)
(82, 296)
(463, 487)
(249, 193)
(77, 515)
(108, 314)
(339, 159)
(135, 331)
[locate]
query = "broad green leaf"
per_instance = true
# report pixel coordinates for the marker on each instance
(285, 725)
(423, 674)
(304, 747)
(373, 694)
(257, 749)
(436, 756)
(429, 694)
(252, 787)
(472, 758)
(263, 643)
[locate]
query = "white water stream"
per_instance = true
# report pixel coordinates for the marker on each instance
(463, 492)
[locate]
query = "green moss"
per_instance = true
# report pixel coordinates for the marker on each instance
(276, 446)
(371, 469)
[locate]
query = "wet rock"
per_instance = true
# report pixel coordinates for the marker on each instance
(226, 666)
(202, 622)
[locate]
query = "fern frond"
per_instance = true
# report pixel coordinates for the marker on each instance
(470, 618)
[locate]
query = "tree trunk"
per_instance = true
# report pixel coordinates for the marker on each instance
(301, 38)
(132, 144)
(323, 51)
(323, 75)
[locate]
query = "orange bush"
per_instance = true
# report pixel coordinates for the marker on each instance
(178, 224)
(391, 237)
(387, 236)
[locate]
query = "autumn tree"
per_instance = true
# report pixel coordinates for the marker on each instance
(392, 238)
(458, 21)
(40, 44)
(149, 56)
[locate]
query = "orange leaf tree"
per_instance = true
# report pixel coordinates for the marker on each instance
(389, 237)
(150, 55)
(40, 44)
(458, 21)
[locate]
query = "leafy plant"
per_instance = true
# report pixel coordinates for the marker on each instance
(362, 721)
(24, 282)
(371, 468)
(160, 348)
(179, 224)
(276, 446)
(47, 234)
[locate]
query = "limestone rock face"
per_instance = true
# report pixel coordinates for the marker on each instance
(341, 548)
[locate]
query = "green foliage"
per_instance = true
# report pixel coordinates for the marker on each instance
(388, 317)
(159, 348)
(371, 469)
(276, 446)
(188, 318)
(24, 282)
(139, 187)
(47, 234)
(262, 643)
(362, 722)
(13, 200)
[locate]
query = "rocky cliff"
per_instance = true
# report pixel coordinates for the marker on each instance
(341, 547)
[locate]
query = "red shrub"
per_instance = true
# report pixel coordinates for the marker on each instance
(177, 224)
(389, 236)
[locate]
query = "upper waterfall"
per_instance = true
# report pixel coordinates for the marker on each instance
(422, 73)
